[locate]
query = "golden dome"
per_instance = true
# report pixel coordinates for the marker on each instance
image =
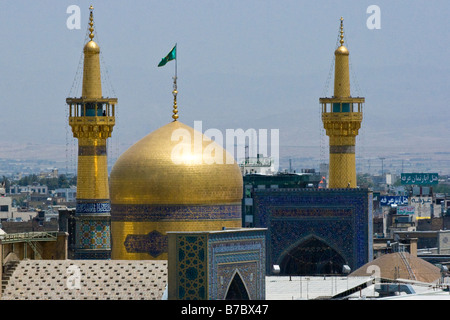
(168, 167)
(91, 47)
(173, 179)
(342, 50)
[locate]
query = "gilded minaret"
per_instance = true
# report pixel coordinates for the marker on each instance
(342, 117)
(92, 120)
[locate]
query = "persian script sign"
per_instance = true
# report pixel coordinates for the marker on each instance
(390, 200)
(420, 178)
(405, 210)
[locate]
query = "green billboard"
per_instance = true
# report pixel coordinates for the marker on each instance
(420, 179)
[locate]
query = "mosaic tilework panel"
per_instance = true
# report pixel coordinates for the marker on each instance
(192, 267)
(337, 233)
(153, 243)
(237, 252)
(90, 208)
(93, 234)
(340, 217)
(310, 212)
(126, 212)
(246, 271)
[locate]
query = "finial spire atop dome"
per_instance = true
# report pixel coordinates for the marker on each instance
(342, 50)
(91, 22)
(175, 92)
(92, 86)
(342, 32)
(341, 75)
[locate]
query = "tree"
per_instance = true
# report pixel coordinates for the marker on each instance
(28, 180)
(63, 182)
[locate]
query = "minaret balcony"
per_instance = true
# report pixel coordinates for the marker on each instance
(92, 121)
(342, 105)
(92, 127)
(342, 117)
(92, 114)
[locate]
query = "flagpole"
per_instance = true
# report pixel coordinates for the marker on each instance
(175, 78)
(175, 92)
(176, 61)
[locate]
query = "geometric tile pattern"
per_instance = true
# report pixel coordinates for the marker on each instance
(93, 234)
(92, 229)
(191, 259)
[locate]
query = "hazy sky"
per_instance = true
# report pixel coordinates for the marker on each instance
(241, 64)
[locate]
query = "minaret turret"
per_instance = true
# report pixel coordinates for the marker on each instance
(92, 84)
(92, 118)
(342, 117)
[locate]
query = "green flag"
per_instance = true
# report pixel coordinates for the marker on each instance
(170, 56)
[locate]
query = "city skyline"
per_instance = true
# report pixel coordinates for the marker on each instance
(254, 64)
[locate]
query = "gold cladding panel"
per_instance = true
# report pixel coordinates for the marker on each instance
(342, 170)
(120, 230)
(148, 172)
(92, 179)
(91, 142)
(342, 140)
(351, 119)
(92, 84)
(341, 76)
(342, 125)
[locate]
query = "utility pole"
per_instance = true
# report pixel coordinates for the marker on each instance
(382, 166)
